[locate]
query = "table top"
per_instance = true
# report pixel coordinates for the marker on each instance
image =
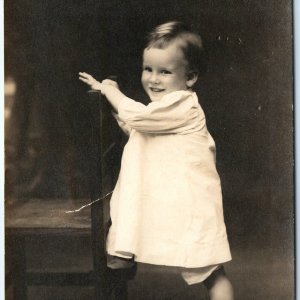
(47, 215)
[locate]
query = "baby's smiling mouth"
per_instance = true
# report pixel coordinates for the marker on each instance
(156, 90)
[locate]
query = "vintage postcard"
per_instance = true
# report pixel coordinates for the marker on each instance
(149, 150)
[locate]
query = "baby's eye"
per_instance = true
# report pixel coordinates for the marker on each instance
(165, 72)
(147, 69)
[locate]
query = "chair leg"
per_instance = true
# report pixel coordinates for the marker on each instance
(101, 283)
(121, 290)
(101, 293)
(118, 280)
(19, 266)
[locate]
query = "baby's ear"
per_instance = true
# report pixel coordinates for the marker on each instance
(192, 77)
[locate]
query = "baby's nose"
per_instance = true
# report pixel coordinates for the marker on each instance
(154, 78)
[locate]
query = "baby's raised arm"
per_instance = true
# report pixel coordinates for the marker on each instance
(108, 88)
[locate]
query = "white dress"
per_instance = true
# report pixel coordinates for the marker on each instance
(166, 208)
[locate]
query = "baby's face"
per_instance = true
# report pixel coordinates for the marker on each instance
(164, 71)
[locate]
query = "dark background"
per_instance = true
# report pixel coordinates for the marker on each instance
(247, 95)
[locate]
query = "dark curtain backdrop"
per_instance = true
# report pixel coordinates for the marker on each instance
(247, 96)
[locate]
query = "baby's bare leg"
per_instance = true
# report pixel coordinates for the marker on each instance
(219, 286)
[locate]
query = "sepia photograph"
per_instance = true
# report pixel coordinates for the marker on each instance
(149, 150)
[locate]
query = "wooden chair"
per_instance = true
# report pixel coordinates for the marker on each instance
(107, 150)
(42, 218)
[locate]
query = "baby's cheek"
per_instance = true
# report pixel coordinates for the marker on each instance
(143, 78)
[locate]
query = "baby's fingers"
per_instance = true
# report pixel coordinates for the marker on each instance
(86, 78)
(84, 74)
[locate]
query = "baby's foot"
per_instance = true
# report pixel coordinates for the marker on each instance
(115, 262)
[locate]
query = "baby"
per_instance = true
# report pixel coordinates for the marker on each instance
(166, 208)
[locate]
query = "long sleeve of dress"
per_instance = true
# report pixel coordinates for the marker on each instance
(126, 129)
(177, 112)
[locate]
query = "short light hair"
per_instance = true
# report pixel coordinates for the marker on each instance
(189, 41)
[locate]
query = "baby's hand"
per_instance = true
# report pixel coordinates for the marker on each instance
(90, 80)
(111, 82)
